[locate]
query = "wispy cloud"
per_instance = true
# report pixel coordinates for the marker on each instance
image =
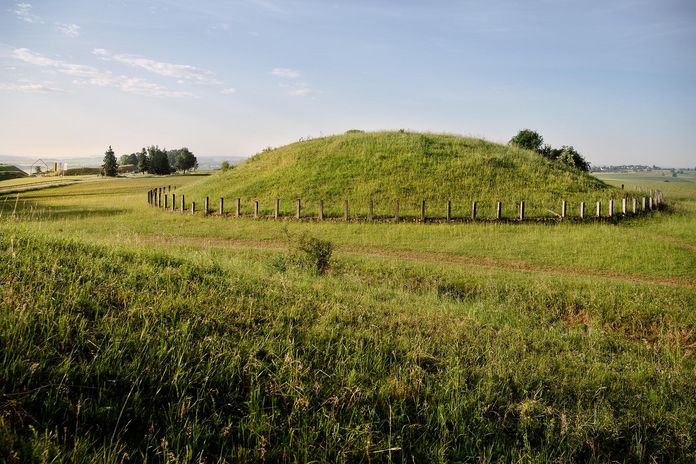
(177, 71)
(70, 30)
(299, 89)
(286, 73)
(31, 88)
(70, 69)
(23, 11)
(89, 75)
(267, 5)
(292, 81)
(228, 91)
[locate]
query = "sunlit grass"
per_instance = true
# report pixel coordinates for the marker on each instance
(131, 332)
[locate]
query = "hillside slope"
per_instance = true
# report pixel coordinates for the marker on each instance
(407, 166)
(10, 172)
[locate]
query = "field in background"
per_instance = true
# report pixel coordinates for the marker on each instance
(126, 330)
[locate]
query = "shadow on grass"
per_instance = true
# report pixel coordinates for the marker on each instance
(30, 211)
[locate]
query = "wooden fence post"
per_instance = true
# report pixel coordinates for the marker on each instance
(582, 210)
(183, 203)
(166, 202)
(345, 210)
(499, 211)
(650, 202)
(633, 203)
(205, 208)
(321, 210)
(423, 210)
(564, 209)
(276, 209)
(193, 207)
(169, 188)
(371, 210)
(522, 210)
(159, 198)
(611, 208)
(238, 208)
(148, 197)
(623, 206)
(599, 209)
(473, 210)
(449, 210)
(398, 205)
(642, 203)
(256, 209)
(222, 206)
(298, 209)
(173, 201)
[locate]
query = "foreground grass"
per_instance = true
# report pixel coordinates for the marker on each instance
(129, 334)
(108, 354)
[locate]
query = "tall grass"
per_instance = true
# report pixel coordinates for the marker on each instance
(110, 354)
(127, 335)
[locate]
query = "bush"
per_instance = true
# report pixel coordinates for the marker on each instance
(311, 253)
(528, 139)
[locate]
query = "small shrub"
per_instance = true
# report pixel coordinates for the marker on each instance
(312, 253)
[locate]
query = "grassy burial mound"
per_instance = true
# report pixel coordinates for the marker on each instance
(10, 172)
(407, 166)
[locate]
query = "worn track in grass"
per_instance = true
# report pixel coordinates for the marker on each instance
(444, 258)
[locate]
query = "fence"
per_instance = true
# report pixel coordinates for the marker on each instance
(160, 198)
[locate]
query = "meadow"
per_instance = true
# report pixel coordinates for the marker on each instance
(133, 334)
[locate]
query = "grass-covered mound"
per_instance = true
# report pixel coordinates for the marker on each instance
(10, 172)
(408, 166)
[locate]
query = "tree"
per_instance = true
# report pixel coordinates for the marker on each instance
(225, 166)
(159, 163)
(185, 160)
(171, 157)
(528, 139)
(110, 167)
(123, 159)
(143, 161)
(571, 157)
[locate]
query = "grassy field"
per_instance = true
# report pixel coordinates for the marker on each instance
(411, 167)
(129, 334)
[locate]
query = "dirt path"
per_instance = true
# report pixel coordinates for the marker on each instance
(444, 258)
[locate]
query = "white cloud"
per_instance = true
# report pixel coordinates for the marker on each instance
(90, 75)
(228, 91)
(286, 73)
(32, 88)
(71, 30)
(24, 13)
(297, 89)
(179, 71)
(300, 91)
(77, 70)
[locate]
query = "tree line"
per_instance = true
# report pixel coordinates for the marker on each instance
(151, 160)
(532, 140)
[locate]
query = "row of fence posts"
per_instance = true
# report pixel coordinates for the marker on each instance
(159, 197)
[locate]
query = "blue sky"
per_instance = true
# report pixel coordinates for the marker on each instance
(615, 79)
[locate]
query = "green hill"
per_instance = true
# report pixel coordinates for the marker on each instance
(403, 165)
(10, 172)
